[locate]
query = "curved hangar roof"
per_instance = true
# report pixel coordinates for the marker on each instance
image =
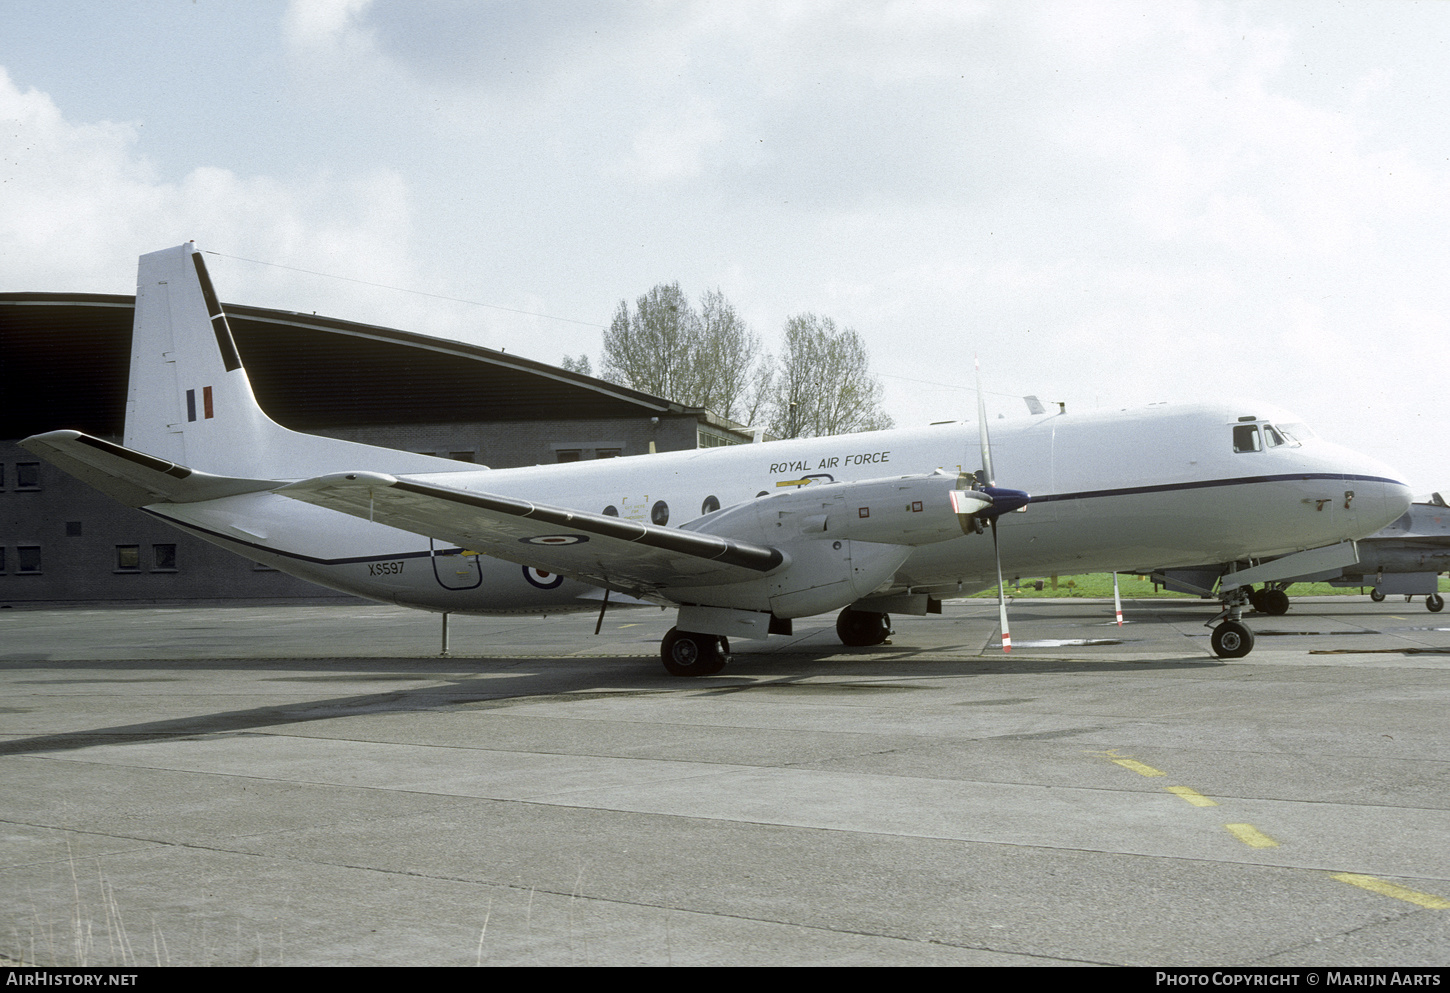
(66, 359)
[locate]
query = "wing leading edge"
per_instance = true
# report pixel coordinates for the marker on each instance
(624, 555)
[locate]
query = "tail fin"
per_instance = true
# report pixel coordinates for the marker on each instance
(190, 401)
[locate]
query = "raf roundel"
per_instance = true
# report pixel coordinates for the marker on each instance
(555, 539)
(543, 580)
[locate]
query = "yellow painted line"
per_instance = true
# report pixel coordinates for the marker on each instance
(1427, 900)
(1192, 796)
(1139, 767)
(1251, 836)
(794, 482)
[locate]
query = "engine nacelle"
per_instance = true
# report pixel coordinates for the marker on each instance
(842, 541)
(897, 510)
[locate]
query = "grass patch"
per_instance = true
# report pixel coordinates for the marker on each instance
(1099, 585)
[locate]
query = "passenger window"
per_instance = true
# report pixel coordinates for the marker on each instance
(1246, 438)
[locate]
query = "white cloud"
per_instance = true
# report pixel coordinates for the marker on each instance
(79, 202)
(327, 24)
(1107, 201)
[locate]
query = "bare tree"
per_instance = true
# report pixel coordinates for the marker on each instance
(654, 348)
(729, 352)
(580, 365)
(706, 358)
(824, 385)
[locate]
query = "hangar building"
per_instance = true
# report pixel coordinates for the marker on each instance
(64, 363)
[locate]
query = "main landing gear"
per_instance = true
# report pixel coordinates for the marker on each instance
(686, 653)
(1232, 639)
(1270, 600)
(862, 628)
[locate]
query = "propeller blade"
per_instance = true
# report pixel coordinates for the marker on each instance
(1001, 592)
(987, 469)
(1002, 502)
(966, 502)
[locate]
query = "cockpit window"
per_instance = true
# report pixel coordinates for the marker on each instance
(1296, 433)
(1246, 438)
(1272, 438)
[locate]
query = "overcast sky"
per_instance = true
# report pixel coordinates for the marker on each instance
(1110, 203)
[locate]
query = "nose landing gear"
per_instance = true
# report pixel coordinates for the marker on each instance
(1232, 639)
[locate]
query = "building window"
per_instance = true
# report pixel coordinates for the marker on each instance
(2, 558)
(163, 558)
(72, 529)
(27, 559)
(463, 456)
(607, 453)
(2, 475)
(568, 454)
(27, 475)
(128, 558)
(705, 438)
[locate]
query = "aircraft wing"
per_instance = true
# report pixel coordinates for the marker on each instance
(624, 555)
(134, 478)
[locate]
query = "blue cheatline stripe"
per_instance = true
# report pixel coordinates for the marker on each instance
(1208, 483)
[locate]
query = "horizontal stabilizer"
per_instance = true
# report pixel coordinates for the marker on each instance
(134, 478)
(607, 551)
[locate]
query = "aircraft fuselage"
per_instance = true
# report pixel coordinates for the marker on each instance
(1141, 489)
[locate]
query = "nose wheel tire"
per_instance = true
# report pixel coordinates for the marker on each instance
(1232, 640)
(1434, 603)
(1377, 596)
(686, 653)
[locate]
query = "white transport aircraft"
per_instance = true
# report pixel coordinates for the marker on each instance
(739, 540)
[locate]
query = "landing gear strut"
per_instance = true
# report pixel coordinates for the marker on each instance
(1232, 639)
(686, 653)
(862, 628)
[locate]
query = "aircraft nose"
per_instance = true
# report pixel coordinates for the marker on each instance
(1381, 495)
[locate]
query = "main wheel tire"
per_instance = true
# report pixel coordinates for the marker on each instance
(1274, 602)
(686, 653)
(862, 628)
(1377, 596)
(1434, 603)
(1232, 640)
(1256, 600)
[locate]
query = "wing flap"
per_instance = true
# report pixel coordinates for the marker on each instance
(134, 478)
(608, 551)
